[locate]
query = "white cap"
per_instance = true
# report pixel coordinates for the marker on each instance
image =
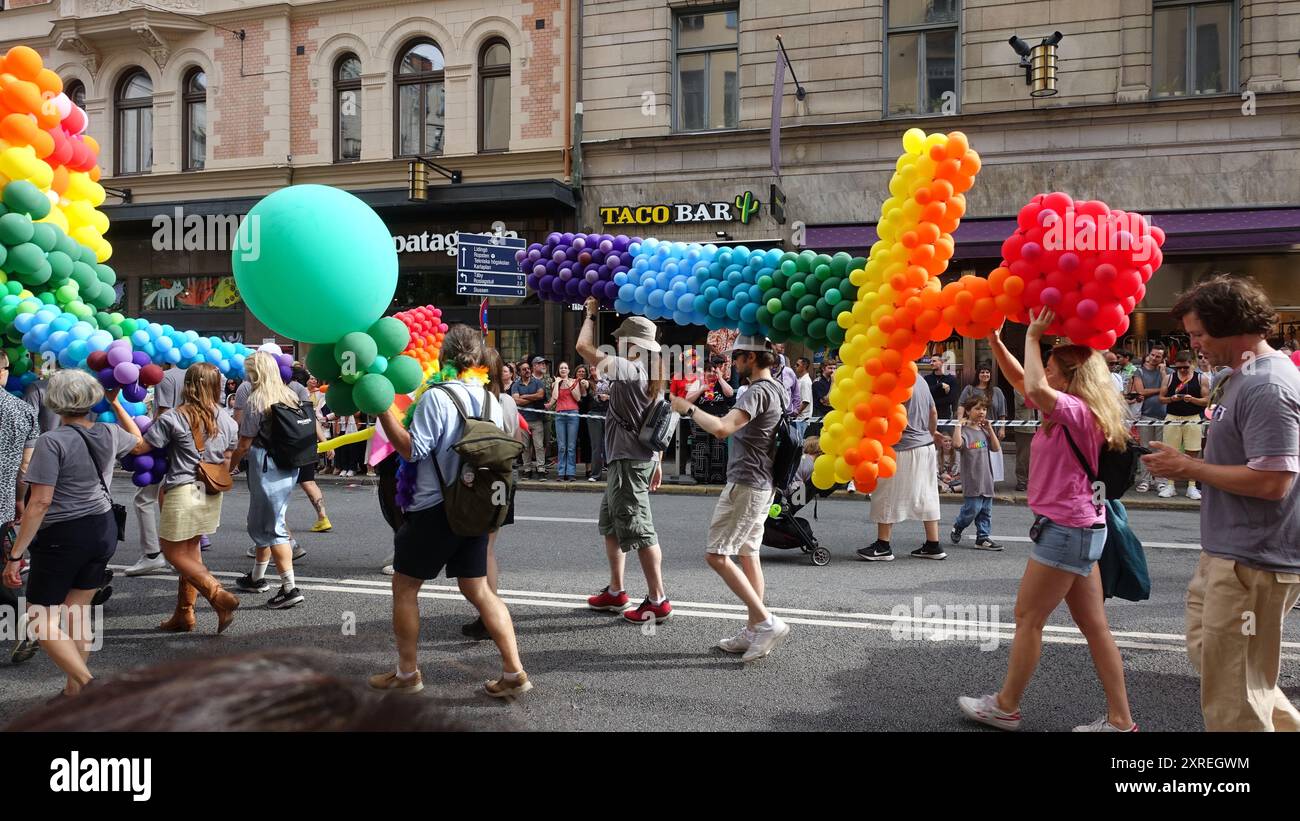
(271, 348)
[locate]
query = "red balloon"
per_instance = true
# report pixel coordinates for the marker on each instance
(149, 374)
(97, 360)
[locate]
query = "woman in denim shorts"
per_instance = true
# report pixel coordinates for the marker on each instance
(1073, 391)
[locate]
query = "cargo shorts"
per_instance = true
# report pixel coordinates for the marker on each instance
(625, 507)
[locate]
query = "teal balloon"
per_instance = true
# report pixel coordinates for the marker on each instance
(322, 263)
(322, 364)
(373, 394)
(43, 235)
(405, 373)
(355, 352)
(22, 195)
(379, 365)
(15, 229)
(391, 336)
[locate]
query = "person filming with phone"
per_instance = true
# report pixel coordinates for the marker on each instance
(1185, 398)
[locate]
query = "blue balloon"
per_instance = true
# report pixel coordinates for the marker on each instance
(718, 308)
(24, 322)
(163, 344)
(140, 338)
(189, 350)
(173, 356)
(63, 323)
(749, 313)
(622, 306)
(655, 299)
(57, 341)
(733, 311)
(99, 341)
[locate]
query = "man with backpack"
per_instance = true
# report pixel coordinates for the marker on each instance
(633, 467)
(764, 451)
(463, 459)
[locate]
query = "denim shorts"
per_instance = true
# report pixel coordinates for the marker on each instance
(1072, 549)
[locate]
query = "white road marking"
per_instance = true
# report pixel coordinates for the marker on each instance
(975, 631)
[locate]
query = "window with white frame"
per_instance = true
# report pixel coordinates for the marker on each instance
(921, 43)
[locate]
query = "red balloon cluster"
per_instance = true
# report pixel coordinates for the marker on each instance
(1088, 263)
(427, 330)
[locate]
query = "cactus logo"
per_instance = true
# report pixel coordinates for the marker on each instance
(746, 207)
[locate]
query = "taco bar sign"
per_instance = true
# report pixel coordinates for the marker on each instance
(742, 209)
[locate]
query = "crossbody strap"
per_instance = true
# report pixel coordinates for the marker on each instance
(1092, 477)
(99, 469)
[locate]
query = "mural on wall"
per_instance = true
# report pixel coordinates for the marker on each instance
(189, 293)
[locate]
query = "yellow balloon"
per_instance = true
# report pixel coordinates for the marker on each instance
(914, 141)
(843, 471)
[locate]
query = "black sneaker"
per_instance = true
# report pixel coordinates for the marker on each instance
(285, 599)
(929, 550)
(102, 595)
(245, 582)
(476, 630)
(986, 543)
(24, 651)
(955, 535)
(879, 551)
(541, 477)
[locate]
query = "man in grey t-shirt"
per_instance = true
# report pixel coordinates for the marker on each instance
(633, 470)
(1147, 382)
(738, 518)
(1249, 571)
(913, 491)
(167, 394)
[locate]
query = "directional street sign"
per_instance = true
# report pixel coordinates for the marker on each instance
(486, 266)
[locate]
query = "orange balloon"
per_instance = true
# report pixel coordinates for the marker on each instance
(871, 450)
(94, 174)
(907, 377)
(852, 456)
(876, 428)
(971, 164)
(1013, 286)
(898, 281)
(942, 190)
(933, 211)
(927, 233)
(921, 255)
(864, 474)
(909, 239)
(887, 467)
(948, 170)
(19, 129)
(984, 310)
(885, 383)
(957, 146)
(952, 315)
(60, 183)
(996, 278)
(91, 144)
(23, 62)
(862, 410)
(963, 302)
(898, 340)
(1007, 304)
(917, 349)
(887, 324)
(22, 96)
(48, 81)
(880, 405)
(874, 367)
(900, 394)
(931, 298)
(938, 153)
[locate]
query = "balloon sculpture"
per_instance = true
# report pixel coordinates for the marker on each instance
(55, 290)
(1089, 263)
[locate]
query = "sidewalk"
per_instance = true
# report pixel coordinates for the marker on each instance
(1132, 500)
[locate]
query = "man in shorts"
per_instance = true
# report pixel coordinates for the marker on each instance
(912, 492)
(737, 526)
(634, 471)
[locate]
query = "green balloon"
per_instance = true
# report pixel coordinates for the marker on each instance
(325, 264)
(105, 274)
(821, 259)
(834, 333)
(339, 398)
(60, 263)
(763, 316)
(772, 293)
(22, 195)
(782, 321)
(788, 303)
(103, 320)
(808, 313)
(43, 236)
(405, 373)
(823, 272)
(774, 306)
(4, 253)
(128, 326)
(13, 287)
(788, 267)
(67, 245)
(798, 326)
(81, 310)
(67, 293)
(116, 317)
(373, 394)
(87, 255)
(116, 331)
(28, 306)
(355, 352)
(857, 263)
(817, 329)
(321, 363)
(38, 277)
(764, 282)
(798, 289)
(379, 365)
(391, 336)
(46, 297)
(25, 258)
(84, 276)
(803, 263)
(824, 308)
(15, 229)
(781, 280)
(840, 264)
(833, 296)
(806, 300)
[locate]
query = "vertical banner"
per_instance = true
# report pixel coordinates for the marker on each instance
(778, 92)
(483, 315)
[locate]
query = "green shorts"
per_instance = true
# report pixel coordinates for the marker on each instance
(625, 508)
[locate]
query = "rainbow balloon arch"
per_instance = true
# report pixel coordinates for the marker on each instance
(1089, 263)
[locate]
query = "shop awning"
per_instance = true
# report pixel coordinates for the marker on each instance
(1185, 231)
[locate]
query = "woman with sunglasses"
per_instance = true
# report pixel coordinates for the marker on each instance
(1185, 396)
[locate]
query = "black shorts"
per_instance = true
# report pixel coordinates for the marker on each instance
(71, 555)
(426, 544)
(307, 474)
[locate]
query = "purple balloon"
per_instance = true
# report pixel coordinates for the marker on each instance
(285, 360)
(143, 463)
(557, 286)
(140, 358)
(579, 242)
(286, 373)
(135, 392)
(539, 270)
(566, 238)
(571, 288)
(142, 479)
(126, 373)
(119, 355)
(565, 274)
(519, 255)
(129, 462)
(106, 379)
(143, 423)
(606, 246)
(544, 284)
(552, 238)
(591, 277)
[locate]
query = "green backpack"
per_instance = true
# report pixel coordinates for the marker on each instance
(477, 502)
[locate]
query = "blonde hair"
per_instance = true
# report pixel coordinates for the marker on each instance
(200, 397)
(268, 388)
(1088, 378)
(812, 446)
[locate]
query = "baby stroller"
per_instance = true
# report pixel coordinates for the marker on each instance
(784, 530)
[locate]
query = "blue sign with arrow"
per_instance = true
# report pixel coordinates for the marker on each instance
(486, 266)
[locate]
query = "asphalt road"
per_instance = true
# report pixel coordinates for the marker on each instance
(868, 649)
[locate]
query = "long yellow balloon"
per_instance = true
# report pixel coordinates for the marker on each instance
(345, 439)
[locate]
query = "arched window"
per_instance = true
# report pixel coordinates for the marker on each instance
(494, 97)
(134, 123)
(421, 100)
(347, 108)
(195, 102)
(76, 91)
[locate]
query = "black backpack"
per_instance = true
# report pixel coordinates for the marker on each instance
(291, 435)
(1116, 470)
(789, 448)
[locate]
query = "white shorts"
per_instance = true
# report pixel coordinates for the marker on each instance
(737, 526)
(912, 493)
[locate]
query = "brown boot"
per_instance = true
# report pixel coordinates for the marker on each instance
(222, 600)
(182, 621)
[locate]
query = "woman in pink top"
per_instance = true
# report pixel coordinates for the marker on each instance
(1074, 392)
(566, 395)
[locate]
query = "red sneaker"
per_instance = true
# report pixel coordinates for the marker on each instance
(659, 612)
(604, 600)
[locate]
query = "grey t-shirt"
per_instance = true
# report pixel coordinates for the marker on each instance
(976, 463)
(172, 431)
(917, 433)
(168, 393)
(753, 446)
(34, 395)
(997, 400)
(61, 459)
(1258, 415)
(1152, 407)
(628, 402)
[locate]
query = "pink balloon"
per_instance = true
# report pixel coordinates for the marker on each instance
(1050, 296)
(1086, 309)
(1295, 357)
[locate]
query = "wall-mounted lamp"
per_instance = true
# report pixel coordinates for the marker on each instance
(418, 179)
(1039, 63)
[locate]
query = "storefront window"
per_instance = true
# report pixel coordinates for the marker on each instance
(189, 294)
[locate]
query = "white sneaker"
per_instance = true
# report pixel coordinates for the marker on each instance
(764, 641)
(387, 570)
(146, 565)
(1167, 492)
(1193, 492)
(738, 643)
(1142, 487)
(985, 710)
(1102, 725)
